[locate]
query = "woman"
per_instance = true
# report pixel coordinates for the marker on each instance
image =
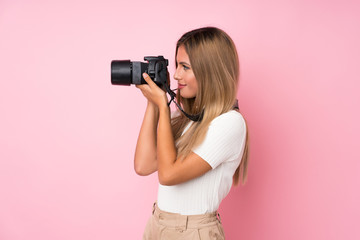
(197, 161)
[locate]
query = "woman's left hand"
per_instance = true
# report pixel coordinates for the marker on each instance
(152, 92)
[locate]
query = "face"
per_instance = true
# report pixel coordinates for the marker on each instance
(187, 84)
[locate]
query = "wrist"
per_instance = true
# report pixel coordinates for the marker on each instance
(164, 109)
(152, 105)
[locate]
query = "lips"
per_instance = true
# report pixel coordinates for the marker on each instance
(180, 86)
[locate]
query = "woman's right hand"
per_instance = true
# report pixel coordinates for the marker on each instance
(153, 92)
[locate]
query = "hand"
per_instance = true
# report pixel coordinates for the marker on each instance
(152, 92)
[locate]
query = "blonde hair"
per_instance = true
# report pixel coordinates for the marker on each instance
(215, 63)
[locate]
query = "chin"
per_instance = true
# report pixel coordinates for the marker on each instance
(187, 95)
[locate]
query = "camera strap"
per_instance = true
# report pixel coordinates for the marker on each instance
(195, 118)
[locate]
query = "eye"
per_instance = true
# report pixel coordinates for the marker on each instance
(185, 67)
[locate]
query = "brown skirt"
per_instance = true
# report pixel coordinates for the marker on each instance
(164, 225)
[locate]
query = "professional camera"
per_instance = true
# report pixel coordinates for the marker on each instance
(125, 72)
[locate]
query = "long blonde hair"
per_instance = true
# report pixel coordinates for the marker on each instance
(215, 63)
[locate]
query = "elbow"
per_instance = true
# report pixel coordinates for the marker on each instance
(164, 182)
(145, 168)
(140, 170)
(166, 179)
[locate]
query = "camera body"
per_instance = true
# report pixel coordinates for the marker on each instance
(126, 72)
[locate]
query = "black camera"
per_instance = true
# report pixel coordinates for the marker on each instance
(125, 72)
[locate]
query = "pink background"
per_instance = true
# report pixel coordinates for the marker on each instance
(67, 136)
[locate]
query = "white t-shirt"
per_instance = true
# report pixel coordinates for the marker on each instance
(222, 148)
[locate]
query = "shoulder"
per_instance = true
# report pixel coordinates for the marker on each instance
(223, 140)
(231, 120)
(229, 127)
(231, 115)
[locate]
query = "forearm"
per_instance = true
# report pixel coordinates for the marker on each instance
(145, 154)
(166, 150)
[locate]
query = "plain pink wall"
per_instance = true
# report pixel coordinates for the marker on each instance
(67, 136)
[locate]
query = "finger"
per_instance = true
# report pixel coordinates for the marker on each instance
(139, 86)
(148, 79)
(143, 87)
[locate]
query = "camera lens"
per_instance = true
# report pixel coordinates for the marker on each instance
(126, 72)
(121, 72)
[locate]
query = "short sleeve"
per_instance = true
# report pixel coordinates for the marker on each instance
(225, 139)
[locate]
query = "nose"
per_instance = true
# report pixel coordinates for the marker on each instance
(177, 76)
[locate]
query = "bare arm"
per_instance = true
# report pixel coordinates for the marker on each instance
(145, 161)
(170, 170)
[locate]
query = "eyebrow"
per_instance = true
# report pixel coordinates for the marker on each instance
(184, 63)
